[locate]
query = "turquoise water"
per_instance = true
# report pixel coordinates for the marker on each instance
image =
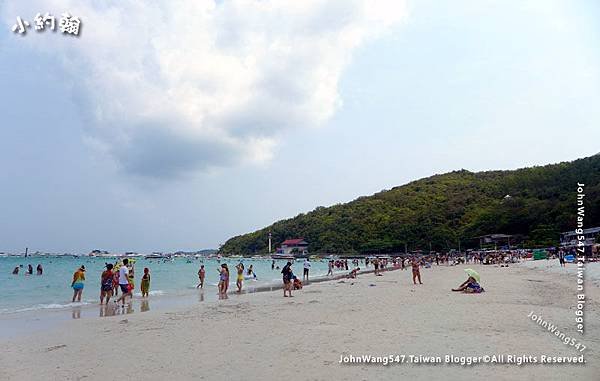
(52, 291)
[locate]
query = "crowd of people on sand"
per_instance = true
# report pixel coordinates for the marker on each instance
(39, 270)
(117, 277)
(120, 275)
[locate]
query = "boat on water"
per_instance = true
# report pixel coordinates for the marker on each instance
(157, 255)
(282, 256)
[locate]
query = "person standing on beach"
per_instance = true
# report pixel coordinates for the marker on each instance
(201, 276)
(561, 258)
(287, 279)
(330, 268)
(375, 262)
(77, 283)
(115, 283)
(223, 279)
(124, 282)
(273, 265)
(415, 270)
(240, 276)
(306, 269)
(106, 284)
(145, 283)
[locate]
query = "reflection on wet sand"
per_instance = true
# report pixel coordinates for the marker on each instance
(201, 296)
(76, 313)
(107, 310)
(113, 309)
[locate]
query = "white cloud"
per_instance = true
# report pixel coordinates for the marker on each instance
(172, 87)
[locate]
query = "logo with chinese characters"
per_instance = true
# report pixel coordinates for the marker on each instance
(67, 24)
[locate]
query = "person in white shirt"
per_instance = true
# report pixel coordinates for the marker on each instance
(124, 282)
(306, 268)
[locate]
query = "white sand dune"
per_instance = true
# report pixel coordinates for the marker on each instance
(266, 337)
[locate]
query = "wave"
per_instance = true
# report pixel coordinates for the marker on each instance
(150, 293)
(49, 306)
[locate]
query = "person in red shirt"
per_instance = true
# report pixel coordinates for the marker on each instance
(106, 284)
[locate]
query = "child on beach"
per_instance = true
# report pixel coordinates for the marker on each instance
(106, 284)
(115, 282)
(145, 283)
(354, 273)
(415, 270)
(297, 284)
(201, 276)
(77, 284)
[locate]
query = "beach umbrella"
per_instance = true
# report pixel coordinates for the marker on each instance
(472, 273)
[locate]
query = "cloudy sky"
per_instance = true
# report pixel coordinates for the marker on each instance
(176, 124)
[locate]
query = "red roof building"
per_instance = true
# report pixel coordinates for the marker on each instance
(293, 246)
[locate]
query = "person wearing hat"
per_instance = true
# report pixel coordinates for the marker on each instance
(77, 284)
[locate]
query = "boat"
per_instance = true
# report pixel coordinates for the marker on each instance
(157, 255)
(282, 256)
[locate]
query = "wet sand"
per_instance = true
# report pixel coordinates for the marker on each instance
(264, 336)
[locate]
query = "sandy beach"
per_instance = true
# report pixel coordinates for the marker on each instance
(263, 336)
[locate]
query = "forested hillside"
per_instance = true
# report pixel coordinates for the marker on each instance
(441, 210)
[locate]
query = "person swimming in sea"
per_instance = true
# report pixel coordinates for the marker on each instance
(145, 283)
(16, 270)
(29, 269)
(78, 283)
(39, 269)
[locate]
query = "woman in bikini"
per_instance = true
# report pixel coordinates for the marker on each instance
(223, 279)
(240, 276)
(415, 271)
(201, 275)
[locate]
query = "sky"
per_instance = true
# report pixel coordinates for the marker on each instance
(171, 125)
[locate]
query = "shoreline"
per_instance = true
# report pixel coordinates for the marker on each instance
(37, 320)
(270, 336)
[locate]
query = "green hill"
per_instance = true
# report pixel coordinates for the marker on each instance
(441, 210)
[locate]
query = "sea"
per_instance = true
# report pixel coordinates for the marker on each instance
(27, 299)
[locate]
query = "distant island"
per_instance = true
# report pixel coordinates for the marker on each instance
(445, 212)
